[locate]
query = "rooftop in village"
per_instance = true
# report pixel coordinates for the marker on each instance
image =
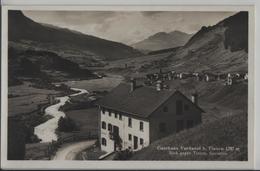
(140, 101)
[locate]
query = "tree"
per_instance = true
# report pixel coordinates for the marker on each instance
(16, 140)
(66, 124)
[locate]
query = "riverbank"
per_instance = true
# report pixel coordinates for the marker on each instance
(81, 108)
(47, 130)
(26, 97)
(26, 105)
(86, 116)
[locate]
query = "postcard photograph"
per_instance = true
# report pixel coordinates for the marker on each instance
(128, 85)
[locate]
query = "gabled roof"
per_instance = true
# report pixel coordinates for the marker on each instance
(141, 102)
(188, 100)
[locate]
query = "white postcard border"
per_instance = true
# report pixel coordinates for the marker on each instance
(130, 164)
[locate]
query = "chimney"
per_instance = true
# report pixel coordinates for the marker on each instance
(194, 98)
(133, 84)
(159, 85)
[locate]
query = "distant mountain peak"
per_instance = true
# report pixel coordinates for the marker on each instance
(163, 40)
(159, 34)
(177, 32)
(220, 48)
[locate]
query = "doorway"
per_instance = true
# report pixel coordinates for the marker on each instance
(135, 142)
(116, 137)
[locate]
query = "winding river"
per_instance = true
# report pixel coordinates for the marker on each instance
(46, 130)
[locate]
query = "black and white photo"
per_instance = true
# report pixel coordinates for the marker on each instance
(128, 85)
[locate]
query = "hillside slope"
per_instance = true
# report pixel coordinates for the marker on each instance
(67, 43)
(163, 40)
(229, 131)
(41, 65)
(219, 48)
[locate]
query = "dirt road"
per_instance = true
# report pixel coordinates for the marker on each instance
(70, 150)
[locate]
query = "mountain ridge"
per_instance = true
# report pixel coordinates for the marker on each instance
(163, 40)
(221, 47)
(55, 39)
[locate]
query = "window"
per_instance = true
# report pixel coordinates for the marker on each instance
(189, 123)
(103, 110)
(179, 107)
(162, 127)
(141, 141)
(129, 137)
(141, 126)
(180, 125)
(109, 127)
(104, 125)
(115, 115)
(129, 122)
(120, 116)
(165, 109)
(186, 107)
(104, 141)
(109, 112)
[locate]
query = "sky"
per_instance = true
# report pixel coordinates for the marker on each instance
(128, 27)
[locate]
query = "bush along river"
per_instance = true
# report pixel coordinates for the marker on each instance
(46, 130)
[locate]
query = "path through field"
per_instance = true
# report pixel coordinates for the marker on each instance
(70, 150)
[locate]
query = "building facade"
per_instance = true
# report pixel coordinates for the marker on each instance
(132, 117)
(133, 133)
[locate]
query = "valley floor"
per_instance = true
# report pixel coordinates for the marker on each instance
(221, 103)
(25, 98)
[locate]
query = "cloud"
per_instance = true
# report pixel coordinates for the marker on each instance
(128, 26)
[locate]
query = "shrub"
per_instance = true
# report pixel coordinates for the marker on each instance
(123, 155)
(66, 124)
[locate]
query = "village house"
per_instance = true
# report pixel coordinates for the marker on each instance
(198, 76)
(229, 79)
(211, 77)
(52, 99)
(246, 76)
(132, 117)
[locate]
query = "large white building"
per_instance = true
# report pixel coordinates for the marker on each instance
(134, 116)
